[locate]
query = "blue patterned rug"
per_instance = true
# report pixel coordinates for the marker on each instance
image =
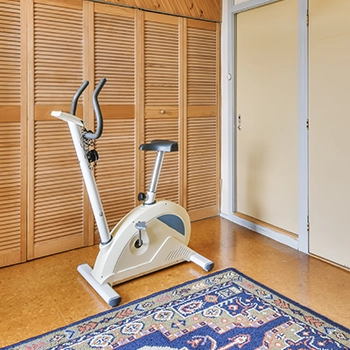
(224, 310)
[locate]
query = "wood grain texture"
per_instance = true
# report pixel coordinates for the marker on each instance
(202, 9)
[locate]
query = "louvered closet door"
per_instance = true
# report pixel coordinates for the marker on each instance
(114, 37)
(56, 188)
(203, 142)
(161, 57)
(12, 138)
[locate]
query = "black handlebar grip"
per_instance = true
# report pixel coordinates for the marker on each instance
(75, 99)
(99, 119)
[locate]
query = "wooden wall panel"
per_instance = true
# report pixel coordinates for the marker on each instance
(114, 43)
(203, 143)
(57, 200)
(12, 137)
(204, 9)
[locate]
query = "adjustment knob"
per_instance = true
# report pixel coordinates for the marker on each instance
(141, 196)
(92, 156)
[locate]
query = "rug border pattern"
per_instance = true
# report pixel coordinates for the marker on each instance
(180, 294)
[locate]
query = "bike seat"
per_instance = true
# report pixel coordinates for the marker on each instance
(160, 145)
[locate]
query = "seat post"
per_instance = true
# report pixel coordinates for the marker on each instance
(160, 146)
(151, 194)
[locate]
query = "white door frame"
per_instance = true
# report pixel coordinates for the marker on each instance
(229, 128)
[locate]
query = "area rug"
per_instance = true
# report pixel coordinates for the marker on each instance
(224, 310)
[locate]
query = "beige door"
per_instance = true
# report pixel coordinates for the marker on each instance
(330, 130)
(267, 121)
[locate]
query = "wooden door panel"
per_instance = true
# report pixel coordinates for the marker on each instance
(202, 138)
(202, 167)
(161, 67)
(267, 115)
(12, 137)
(115, 59)
(56, 189)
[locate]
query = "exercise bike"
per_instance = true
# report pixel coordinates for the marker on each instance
(151, 237)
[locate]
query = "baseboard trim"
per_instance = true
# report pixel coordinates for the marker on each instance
(281, 237)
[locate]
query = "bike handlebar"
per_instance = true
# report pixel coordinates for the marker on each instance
(99, 120)
(75, 99)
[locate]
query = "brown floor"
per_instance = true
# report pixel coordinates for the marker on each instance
(48, 293)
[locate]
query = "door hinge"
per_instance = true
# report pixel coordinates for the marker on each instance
(307, 124)
(308, 225)
(307, 18)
